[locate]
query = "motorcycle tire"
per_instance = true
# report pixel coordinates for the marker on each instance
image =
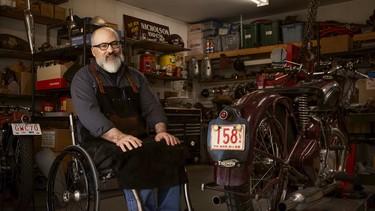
(21, 175)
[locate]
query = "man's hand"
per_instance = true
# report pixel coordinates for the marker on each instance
(124, 141)
(170, 139)
(161, 133)
(128, 142)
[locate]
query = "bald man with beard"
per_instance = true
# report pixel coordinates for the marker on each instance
(115, 108)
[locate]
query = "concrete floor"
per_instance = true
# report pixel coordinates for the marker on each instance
(201, 200)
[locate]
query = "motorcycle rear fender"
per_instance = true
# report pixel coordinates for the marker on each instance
(251, 108)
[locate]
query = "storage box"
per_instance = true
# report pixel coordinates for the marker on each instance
(366, 90)
(210, 25)
(59, 12)
(292, 32)
(56, 139)
(145, 30)
(78, 40)
(25, 82)
(196, 46)
(230, 42)
(54, 71)
(22, 5)
(56, 83)
(336, 44)
(270, 33)
(251, 35)
(195, 28)
(46, 9)
(66, 105)
(212, 44)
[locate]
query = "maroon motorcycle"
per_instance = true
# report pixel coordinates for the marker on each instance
(280, 143)
(17, 155)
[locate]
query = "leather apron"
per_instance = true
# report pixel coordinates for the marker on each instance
(154, 164)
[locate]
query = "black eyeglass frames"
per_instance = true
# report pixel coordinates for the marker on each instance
(104, 46)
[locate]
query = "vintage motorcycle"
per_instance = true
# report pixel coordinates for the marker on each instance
(16, 151)
(280, 143)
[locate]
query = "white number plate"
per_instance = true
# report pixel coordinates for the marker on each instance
(228, 137)
(25, 129)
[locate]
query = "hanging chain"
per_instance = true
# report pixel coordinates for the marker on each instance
(241, 31)
(309, 30)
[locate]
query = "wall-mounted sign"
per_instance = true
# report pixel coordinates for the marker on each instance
(145, 30)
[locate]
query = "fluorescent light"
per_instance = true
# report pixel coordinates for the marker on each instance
(260, 2)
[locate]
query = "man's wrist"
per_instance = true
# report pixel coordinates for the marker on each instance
(160, 127)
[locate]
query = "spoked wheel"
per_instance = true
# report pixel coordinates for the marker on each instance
(21, 171)
(72, 182)
(265, 191)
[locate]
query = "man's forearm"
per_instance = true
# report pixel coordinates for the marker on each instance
(160, 127)
(112, 135)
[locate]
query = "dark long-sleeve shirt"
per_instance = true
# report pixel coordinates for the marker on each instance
(83, 91)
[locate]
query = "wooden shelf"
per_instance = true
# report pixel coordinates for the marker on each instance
(19, 15)
(154, 46)
(68, 53)
(268, 49)
(15, 54)
(164, 77)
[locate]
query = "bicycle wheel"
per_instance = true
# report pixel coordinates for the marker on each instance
(265, 191)
(21, 181)
(72, 182)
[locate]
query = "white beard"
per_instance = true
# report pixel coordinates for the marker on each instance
(113, 65)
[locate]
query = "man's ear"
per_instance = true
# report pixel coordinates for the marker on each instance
(92, 51)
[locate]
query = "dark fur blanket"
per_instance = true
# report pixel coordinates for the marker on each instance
(153, 165)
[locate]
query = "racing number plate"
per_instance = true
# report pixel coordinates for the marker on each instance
(228, 137)
(23, 129)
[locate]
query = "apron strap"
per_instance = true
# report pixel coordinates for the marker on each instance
(131, 80)
(100, 83)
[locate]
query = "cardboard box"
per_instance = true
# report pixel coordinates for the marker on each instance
(145, 30)
(25, 82)
(59, 12)
(22, 5)
(66, 105)
(366, 90)
(56, 139)
(56, 83)
(46, 9)
(53, 71)
(336, 44)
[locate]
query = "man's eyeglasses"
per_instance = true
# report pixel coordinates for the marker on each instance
(104, 46)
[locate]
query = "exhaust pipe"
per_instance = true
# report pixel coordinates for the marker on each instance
(217, 200)
(305, 196)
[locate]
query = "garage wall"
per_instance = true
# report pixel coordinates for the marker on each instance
(356, 11)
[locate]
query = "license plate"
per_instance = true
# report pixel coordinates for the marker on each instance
(228, 137)
(22, 129)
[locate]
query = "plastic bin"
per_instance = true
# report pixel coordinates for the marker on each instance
(270, 33)
(251, 35)
(230, 42)
(292, 32)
